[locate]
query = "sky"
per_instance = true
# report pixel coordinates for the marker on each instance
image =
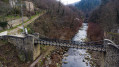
(65, 2)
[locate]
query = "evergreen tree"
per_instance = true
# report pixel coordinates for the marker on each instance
(87, 5)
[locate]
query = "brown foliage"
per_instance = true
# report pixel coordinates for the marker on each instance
(94, 32)
(56, 7)
(107, 17)
(59, 21)
(57, 27)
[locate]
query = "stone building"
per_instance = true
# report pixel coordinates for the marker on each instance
(29, 6)
(13, 3)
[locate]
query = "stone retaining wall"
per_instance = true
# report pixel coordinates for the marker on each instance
(16, 22)
(26, 49)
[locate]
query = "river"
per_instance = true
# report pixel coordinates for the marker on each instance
(76, 57)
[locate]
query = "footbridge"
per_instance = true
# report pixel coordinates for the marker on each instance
(29, 45)
(96, 46)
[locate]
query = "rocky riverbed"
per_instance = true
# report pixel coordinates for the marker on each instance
(77, 57)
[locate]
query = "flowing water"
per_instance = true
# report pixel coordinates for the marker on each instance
(76, 57)
(82, 58)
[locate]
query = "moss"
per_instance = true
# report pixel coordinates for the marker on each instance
(41, 63)
(113, 33)
(21, 56)
(58, 65)
(30, 30)
(42, 47)
(4, 42)
(2, 59)
(10, 17)
(6, 1)
(21, 30)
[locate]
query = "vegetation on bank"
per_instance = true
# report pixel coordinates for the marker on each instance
(103, 23)
(59, 18)
(95, 32)
(9, 13)
(106, 19)
(3, 24)
(60, 22)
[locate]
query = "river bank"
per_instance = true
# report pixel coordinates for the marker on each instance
(53, 28)
(54, 59)
(62, 57)
(77, 57)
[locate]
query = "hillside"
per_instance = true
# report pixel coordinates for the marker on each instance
(11, 14)
(59, 22)
(59, 18)
(4, 6)
(106, 17)
(88, 5)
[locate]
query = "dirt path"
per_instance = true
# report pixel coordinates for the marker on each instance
(15, 31)
(37, 60)
(41, 56)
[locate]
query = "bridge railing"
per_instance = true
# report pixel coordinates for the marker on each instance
(110, 42)
(71, 44)
(71, 41)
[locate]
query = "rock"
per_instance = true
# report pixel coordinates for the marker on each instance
(86, 63)
(61, 52)
(29, 6)
(21, 56)
(83, 60)
(65, 62)
(1, 65)
(1, 28)
(65, 58)
(66, 55)
(80, 54)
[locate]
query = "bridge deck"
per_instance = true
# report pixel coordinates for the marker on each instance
(71, 44)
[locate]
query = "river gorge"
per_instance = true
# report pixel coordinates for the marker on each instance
(76, 57)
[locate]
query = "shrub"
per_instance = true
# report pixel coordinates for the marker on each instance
(3, 24)
(94, 32)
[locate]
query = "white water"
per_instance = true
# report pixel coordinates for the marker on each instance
(76, 56)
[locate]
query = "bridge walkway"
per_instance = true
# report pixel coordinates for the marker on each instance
(71, 44)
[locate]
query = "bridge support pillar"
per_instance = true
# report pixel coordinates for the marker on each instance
(111, 58)
(28, 47)
(27, 50)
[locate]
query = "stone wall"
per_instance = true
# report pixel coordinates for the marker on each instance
(29, 6)
(111, 56)
(16, 22)
(12, 3)
(113, 36)
(27, 50)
